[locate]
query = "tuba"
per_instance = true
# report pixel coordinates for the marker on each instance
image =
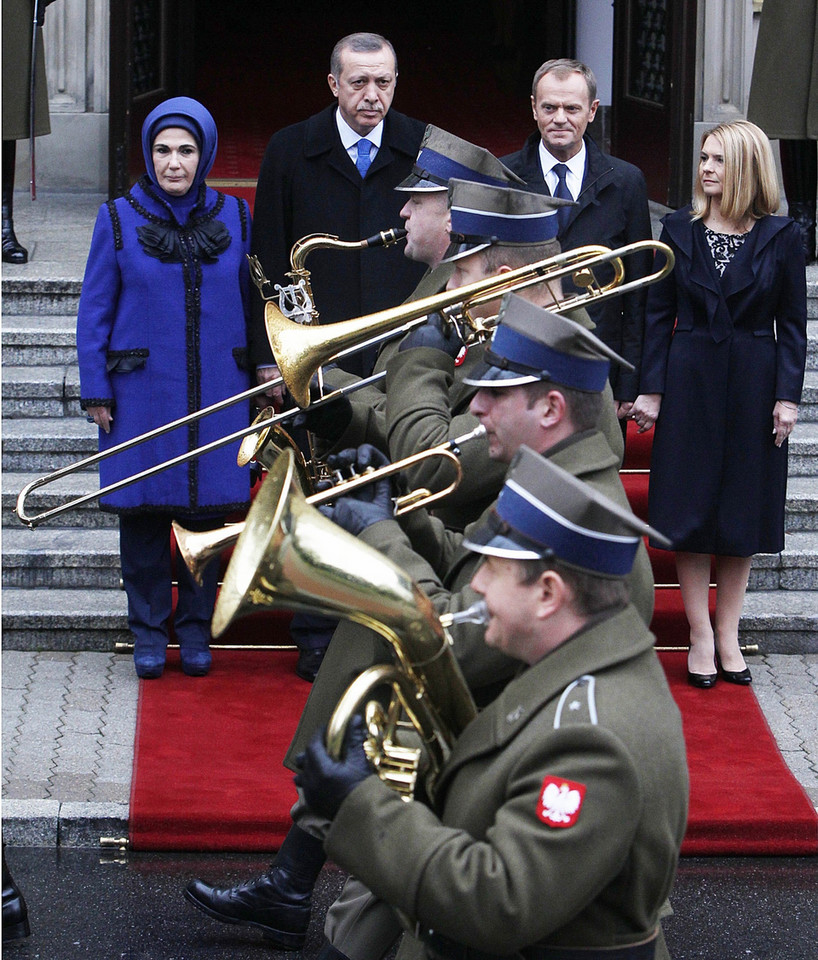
(290, 556)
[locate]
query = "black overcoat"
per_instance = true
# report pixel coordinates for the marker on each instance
(308, 184)
(718, 482)
(612, 210)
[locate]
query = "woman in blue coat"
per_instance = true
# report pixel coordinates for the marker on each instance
(722, 371)
(161, 332)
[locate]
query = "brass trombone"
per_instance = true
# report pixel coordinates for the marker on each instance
(197, 548)
(301, 350)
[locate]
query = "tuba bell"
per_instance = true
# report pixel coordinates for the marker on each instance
(290, 556)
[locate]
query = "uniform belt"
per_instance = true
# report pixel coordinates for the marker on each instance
(440, 947)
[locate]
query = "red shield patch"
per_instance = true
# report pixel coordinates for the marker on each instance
(560, 802)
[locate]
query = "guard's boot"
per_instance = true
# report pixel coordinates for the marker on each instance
(799, 171)
(13, 250)
(328, 952)
(804, 216)
(15, 911)
(278, 902)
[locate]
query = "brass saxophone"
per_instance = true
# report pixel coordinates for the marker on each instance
(295, 300)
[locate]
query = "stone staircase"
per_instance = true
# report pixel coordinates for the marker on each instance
(61, 587)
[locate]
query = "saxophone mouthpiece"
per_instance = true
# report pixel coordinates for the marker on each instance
(386, 237)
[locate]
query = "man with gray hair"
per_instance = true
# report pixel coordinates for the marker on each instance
(335, 173)
(611, 208)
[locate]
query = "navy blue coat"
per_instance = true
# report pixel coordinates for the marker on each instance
(308, 184)
(612, 210)
(158, 340)
(718, 482)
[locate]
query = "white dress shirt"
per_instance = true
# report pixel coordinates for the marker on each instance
(349, 138)
(576, 170)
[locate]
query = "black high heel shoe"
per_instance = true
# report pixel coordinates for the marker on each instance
(704, 681)
(741, 677)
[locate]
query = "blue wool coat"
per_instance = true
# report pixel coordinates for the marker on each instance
(158, 340)
(717, 480)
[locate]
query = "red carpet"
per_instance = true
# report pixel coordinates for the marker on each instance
(208, 771)
(207, 763)
(743, 798)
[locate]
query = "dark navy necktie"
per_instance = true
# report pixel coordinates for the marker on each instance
(563, 193)
(364, 160)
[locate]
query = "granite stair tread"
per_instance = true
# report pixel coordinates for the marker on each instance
(79, 604)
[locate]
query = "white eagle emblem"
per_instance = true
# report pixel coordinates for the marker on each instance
(560, 802)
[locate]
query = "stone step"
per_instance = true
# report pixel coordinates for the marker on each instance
(802, 504)
(778, 621)
(59, 557)
(808, 410)
(64, 619)
(38, 340)
(795, 568)
(55, 494)
(803, 444)
(40, 446)
(41, 391)
(41, 296)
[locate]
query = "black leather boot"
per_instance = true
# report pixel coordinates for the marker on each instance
(278, 902)
(328, 952)
(799, 171)
(15, 911)
(13, 250)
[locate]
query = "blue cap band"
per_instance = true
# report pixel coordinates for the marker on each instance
(510, 228)
(589, 549)
(442, 169)
(583, 373)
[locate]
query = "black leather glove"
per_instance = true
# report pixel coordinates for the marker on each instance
(327, 421)
(370, 503)
(325, 782)
(436, 333)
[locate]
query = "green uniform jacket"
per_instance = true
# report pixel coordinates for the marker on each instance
(435, 558)
(422, 403)
(499, 864)
(18, 22)
(784, 89)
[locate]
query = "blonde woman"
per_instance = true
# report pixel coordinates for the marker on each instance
(722, 371)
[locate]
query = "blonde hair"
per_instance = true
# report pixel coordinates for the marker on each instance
(750, 183)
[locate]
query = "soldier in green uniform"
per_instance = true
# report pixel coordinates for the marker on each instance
(555, 825)
(278, 901)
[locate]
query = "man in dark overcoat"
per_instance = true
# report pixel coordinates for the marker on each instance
(314, 178)
(553, 829)
(611, 197)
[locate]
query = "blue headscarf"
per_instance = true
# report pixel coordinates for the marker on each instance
(190, 115)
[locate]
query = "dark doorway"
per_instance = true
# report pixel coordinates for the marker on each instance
(653, 93)
(465, 66)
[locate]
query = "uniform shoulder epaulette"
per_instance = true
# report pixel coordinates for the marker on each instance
(577, 703)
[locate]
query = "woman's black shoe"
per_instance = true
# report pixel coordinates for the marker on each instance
(704, 681)
(742, 677)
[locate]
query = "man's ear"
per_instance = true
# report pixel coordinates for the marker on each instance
(552, 408)
(554, 594)
(333, 84)
(592, 112)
